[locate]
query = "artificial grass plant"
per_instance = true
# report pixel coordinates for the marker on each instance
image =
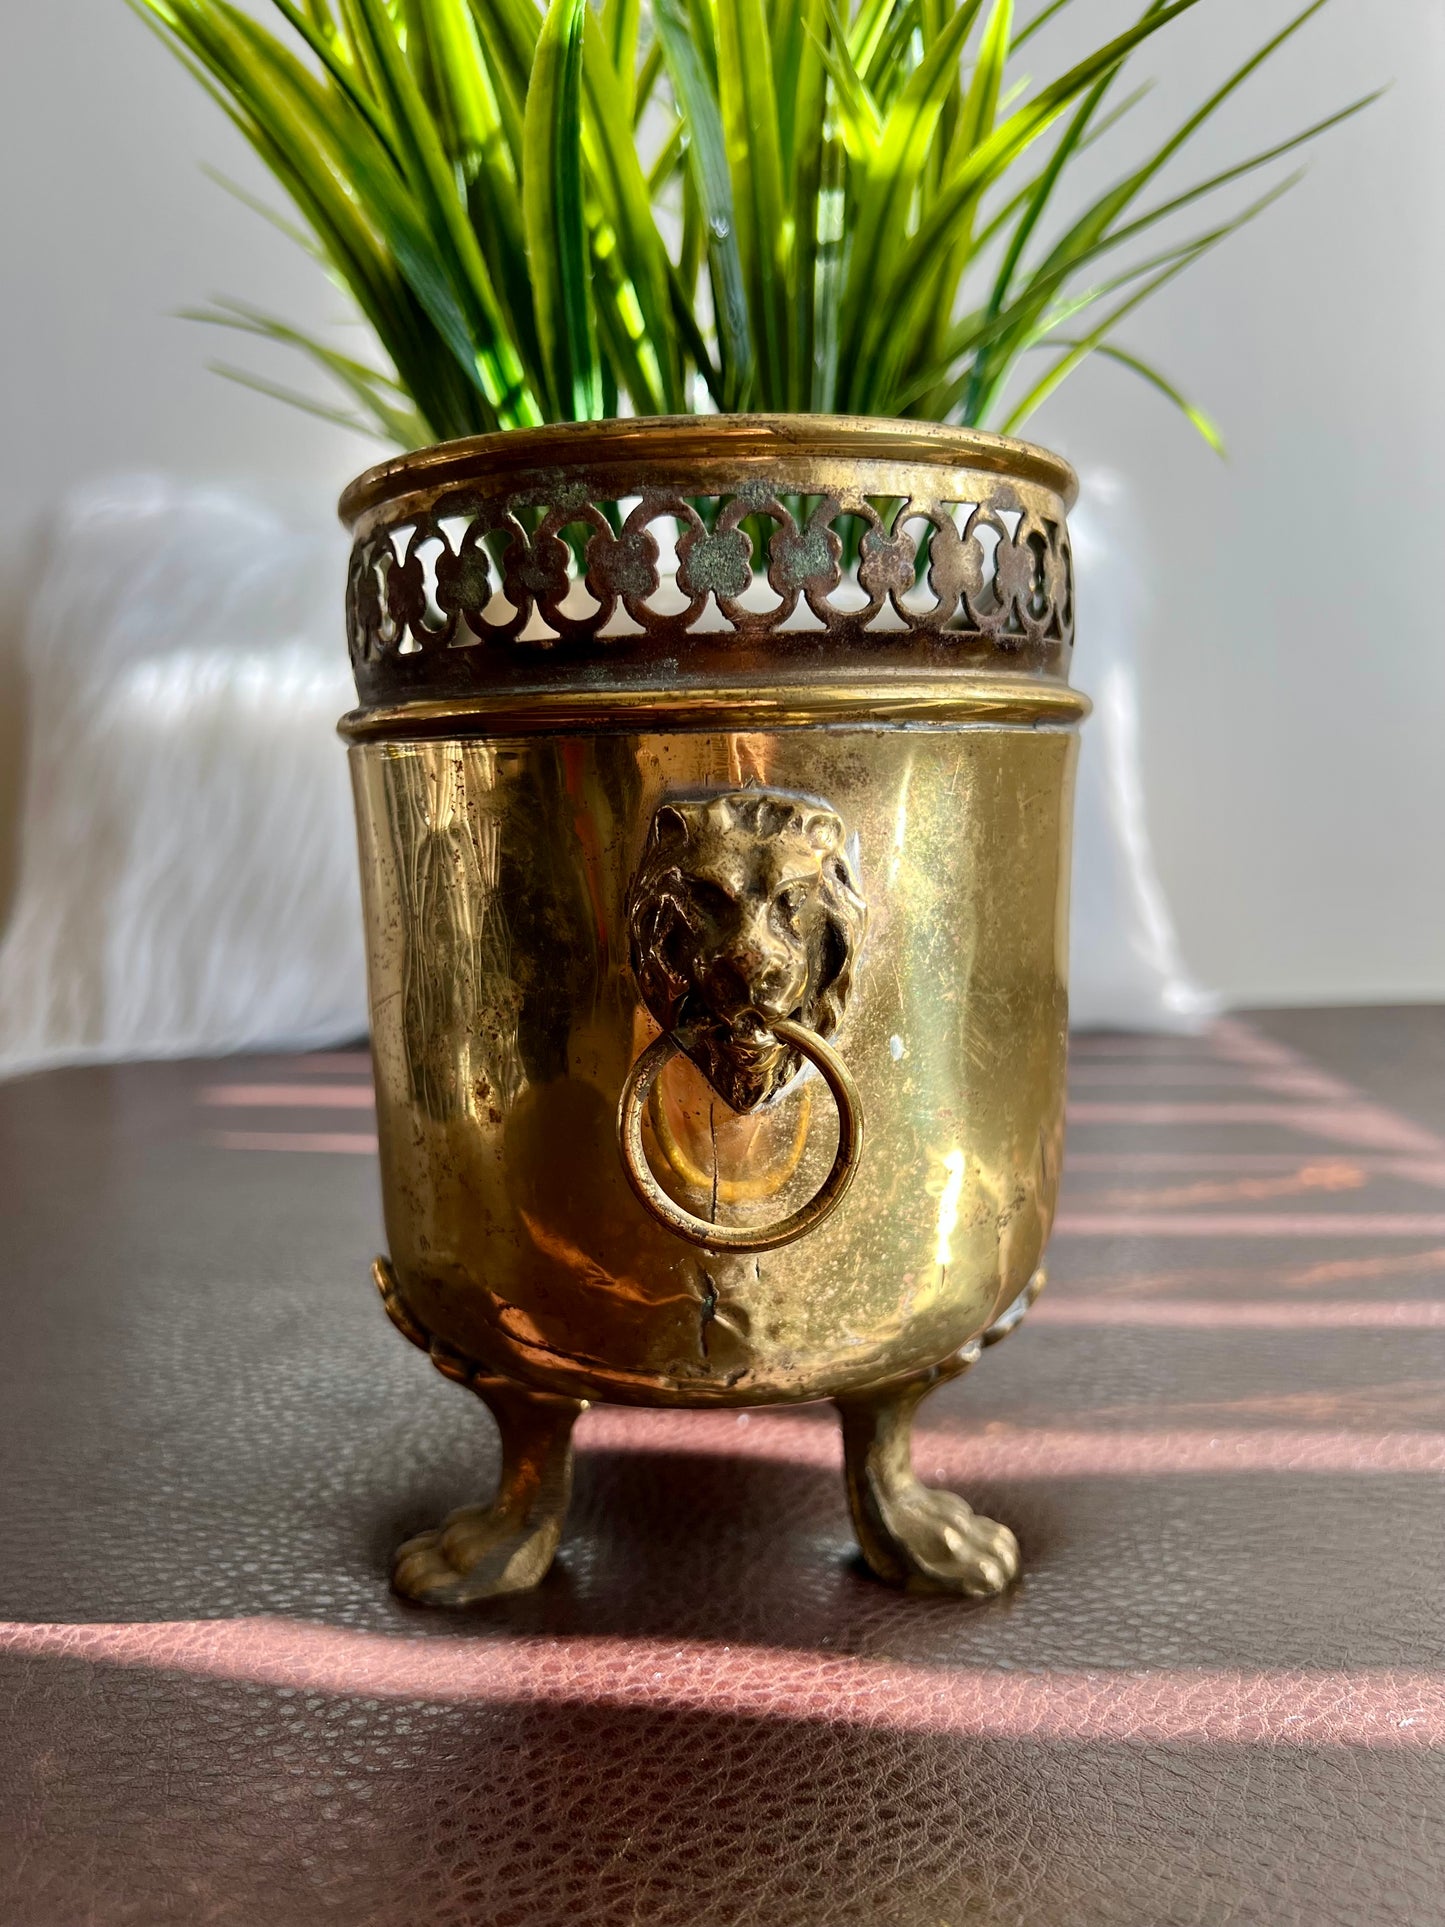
(567, 212)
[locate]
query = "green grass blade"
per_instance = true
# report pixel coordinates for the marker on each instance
(628, 362)
(294, 233)
(1105, 211)
(1006, 341)
(377, 393)
(883, 52)
(693, 339)
(763, 220)
(1022, 197)
(553, 212)
(894, 306)
(294, 398)
(859, 116)
(616, 177)
(499, 368)
(1097, 127)
(1030, 322)
(809, 88)
(1040, 19)
(308, 121)
(830, 274)
(1085, 346)
(329, 161)
(508, 30)
(975, 122)
(891, 182)
(621, 25)
(1249, 165)
(1070, 142)
(667, 164)
(789, 37)
(1024, 126)
(1202, 423)
(868, 29)
(933, 17)
(980, 103)
(341, 71)
(648, 76)
(443, 50)
(707, 162)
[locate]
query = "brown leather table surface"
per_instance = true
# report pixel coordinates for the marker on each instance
(1218, 1694)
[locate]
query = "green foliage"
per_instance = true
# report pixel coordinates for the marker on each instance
(553, 212)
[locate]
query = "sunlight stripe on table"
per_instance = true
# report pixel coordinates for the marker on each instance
(281, 1097)
(1250, 1224)
(1011, 1452)
(1147, 1075)
(1365, 1126)
(1375, 1708)
(343, 1063)
(1418, 1170)
(1063, 1307)
(337, 1143)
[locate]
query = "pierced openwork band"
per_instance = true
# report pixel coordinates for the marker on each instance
(722, 1237)
(474, 566)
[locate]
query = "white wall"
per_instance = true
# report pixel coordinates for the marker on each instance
(1295, 683)
(1295, 680)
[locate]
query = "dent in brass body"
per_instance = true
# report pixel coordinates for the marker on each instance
(517, 822)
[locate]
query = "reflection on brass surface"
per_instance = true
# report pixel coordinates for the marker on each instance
(800, 1043)
(564, 874)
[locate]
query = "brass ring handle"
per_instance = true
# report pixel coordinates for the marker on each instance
(720, 1237)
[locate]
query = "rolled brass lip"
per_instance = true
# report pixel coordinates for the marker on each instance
(938, 700)
(739, 442)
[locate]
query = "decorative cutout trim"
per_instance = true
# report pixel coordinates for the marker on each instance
(465, 577)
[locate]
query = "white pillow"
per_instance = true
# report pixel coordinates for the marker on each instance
(187, 877)
(1125, 970)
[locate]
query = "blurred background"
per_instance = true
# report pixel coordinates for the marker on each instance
(1291, 681)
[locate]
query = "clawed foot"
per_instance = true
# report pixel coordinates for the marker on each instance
(477, 1553)
(912, 1534)
(485, 1551)
(940, 1544)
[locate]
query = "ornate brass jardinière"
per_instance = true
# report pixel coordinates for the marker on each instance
(713, 782)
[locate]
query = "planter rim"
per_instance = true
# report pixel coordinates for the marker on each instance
(942, 699)
(742, 440)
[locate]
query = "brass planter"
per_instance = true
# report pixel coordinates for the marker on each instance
(717, 934)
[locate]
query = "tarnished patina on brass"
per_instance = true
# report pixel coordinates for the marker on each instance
(536, 925)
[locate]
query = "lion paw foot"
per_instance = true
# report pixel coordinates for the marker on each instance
(943, 1545)
(478, 1553)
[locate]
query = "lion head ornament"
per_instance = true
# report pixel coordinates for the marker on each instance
(745, 909)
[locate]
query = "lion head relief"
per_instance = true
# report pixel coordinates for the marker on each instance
(744, 910)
